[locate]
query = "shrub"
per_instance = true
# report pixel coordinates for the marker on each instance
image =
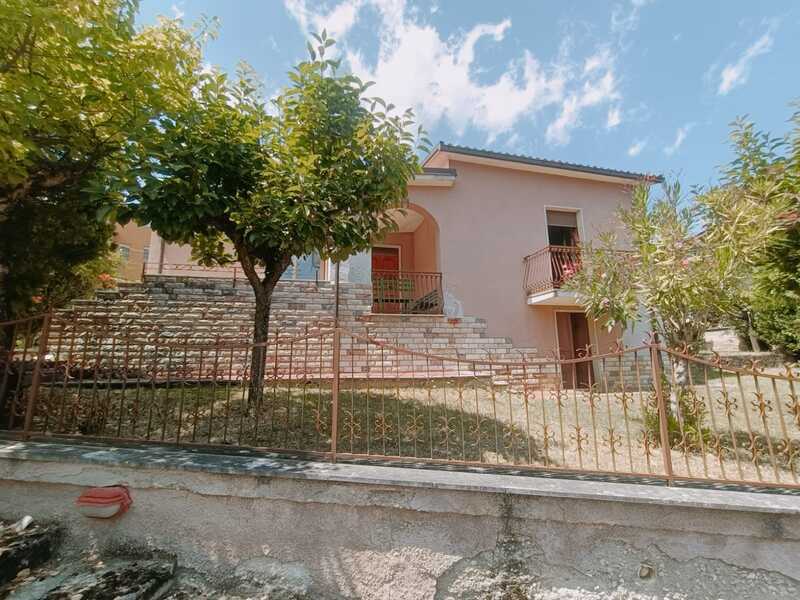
(690, 423)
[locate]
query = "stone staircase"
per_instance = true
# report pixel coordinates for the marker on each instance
(197, 311)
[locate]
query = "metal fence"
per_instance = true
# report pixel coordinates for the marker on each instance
(338, 394)
(407, 292)
(304, 268)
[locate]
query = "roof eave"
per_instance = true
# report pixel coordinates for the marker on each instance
(542, 166)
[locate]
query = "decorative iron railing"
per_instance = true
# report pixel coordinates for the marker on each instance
(547, 269)
(407, 292)
(646, 412)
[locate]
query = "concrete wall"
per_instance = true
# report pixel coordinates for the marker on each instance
(490, 219)
(316, 530)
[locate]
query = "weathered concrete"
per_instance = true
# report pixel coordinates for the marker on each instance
(316, 530)
(128, 579)
(24, 547)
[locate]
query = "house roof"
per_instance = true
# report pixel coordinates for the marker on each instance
(438, 171)
(434, 177)
(542, 163)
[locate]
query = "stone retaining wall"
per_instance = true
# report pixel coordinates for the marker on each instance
(314, 530)
(187, 310)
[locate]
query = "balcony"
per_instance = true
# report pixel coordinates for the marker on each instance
(546, 271)
(407, 293)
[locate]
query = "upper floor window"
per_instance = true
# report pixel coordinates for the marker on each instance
(124, 253)
(146, 254)
(562, 228)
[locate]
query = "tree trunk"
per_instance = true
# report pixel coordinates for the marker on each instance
(258, 356)
(679, 379)
(262, 288)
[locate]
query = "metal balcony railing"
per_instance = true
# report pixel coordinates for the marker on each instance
(407, 292)
(547, 269)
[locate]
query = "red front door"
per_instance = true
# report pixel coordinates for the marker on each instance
(386, 279)
(385, 259)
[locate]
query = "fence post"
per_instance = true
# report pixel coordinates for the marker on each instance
(666, 451)
(337, 346)
(37, 376)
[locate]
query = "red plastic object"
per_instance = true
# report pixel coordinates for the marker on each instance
(104, 502)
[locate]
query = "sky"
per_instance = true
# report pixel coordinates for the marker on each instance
(641, 85)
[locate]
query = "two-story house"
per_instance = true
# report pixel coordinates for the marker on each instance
(486, 234)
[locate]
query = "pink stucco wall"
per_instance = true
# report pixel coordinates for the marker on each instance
(419, 250)
(177, 260)
(426, 242)
(489, 220)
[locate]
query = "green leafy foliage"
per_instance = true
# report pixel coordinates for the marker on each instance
(315, 171)
(682, 263)
(80, 90)
(766, 163)
(687, 426)
(775, 301)
(53, 245)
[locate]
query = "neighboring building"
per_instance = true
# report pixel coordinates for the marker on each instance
(485, 234)
(133, 249)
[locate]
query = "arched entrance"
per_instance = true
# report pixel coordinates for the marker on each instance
(406, 276)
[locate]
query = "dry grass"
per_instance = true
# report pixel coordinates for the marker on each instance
(469, 419)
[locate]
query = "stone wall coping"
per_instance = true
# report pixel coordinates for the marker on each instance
(246, 463)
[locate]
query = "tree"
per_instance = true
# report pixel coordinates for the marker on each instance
(772, 306)
(49, 242)
(688, 264)
(80, 88)
(317, 174)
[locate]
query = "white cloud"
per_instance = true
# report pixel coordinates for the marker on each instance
(637, 147)
(177, 11)
(513, 141)
(337, 22)
(736, 73)
(592, 93)
(597, 61)
(680, 137)
(625, 17)
(415, 66)
(614, 117)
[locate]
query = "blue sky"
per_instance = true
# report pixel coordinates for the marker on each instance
(643, 85)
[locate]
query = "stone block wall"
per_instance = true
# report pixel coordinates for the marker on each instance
(168, 310)
(172, 310)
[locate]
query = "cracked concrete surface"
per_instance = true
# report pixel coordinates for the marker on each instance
(605, 571)
(301, 535)
(522, 566)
